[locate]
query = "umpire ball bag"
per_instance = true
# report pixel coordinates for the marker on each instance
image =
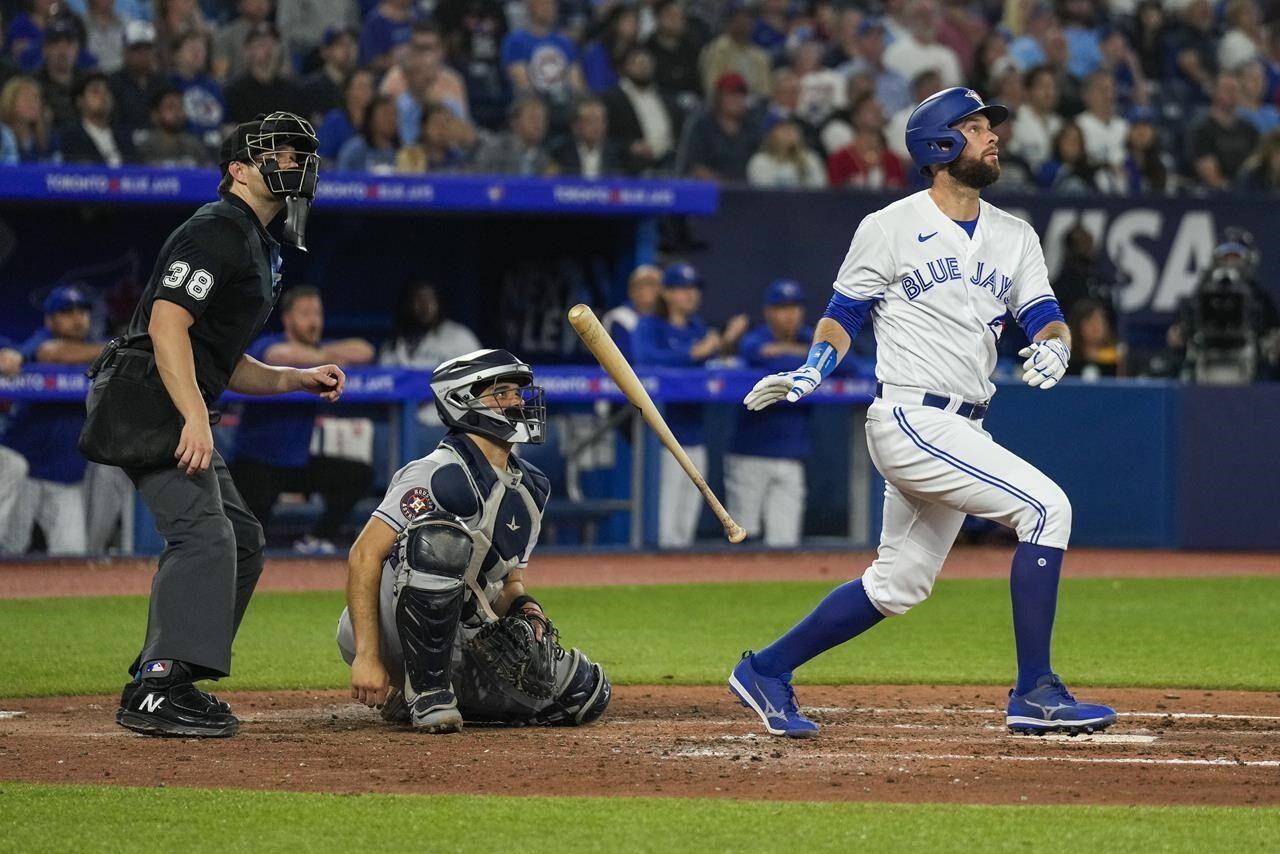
(131, 422)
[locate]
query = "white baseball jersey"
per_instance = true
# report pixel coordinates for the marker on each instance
(941, 296)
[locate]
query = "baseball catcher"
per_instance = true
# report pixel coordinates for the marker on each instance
(438, 627)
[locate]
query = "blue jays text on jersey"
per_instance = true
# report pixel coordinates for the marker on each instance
(942, 270)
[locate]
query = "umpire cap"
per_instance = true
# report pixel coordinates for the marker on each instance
(931, 135)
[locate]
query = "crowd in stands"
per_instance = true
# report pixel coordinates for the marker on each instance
(1134, 96)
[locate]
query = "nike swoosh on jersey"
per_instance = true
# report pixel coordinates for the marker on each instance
(923, 237)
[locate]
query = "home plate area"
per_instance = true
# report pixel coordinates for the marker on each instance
(878, 743)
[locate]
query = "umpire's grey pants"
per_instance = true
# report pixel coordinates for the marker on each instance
(210, 564)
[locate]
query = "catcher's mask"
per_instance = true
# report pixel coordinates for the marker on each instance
(466, 397)
(261, 142)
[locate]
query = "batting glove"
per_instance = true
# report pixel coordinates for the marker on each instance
(1046, 363)
(791, 385)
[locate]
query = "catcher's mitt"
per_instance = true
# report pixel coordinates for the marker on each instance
(509, 648)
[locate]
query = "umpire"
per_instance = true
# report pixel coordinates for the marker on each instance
(213, 286)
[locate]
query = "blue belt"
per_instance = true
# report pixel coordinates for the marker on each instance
(972, 411)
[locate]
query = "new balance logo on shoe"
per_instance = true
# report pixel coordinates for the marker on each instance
(151, 702)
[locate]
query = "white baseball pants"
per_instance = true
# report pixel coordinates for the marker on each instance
(13, 480)
(58, 508)
(768, 493)
(679, 502)
(938, 467)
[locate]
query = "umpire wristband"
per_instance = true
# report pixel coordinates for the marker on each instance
(522, 600)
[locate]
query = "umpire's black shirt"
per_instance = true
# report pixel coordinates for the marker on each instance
(223, 267)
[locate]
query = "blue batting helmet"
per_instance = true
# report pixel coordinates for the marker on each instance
(931, 137)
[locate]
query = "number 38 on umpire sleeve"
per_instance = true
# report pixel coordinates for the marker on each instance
(198, 285)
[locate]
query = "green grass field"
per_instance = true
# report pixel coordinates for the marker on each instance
(86, 819)
(1204, 632)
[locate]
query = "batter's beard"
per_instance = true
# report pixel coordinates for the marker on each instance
(975, 173)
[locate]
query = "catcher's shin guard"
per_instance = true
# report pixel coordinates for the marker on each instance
(434, 553)
(584, 697)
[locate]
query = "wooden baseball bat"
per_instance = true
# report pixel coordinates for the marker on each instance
(584, 322)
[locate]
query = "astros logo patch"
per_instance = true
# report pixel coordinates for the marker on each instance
(415, 502)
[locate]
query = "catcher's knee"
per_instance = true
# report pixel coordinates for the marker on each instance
(897, 584)
(435, 553)
(583, 697)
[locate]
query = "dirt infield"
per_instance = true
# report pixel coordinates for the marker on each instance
(909, 744)
(21, 580)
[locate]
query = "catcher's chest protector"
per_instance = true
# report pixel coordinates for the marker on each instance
(509, 520)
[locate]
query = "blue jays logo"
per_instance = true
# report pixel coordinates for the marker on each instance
(415, 502)
(969, 93)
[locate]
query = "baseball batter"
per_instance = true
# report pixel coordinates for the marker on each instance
(937, 272)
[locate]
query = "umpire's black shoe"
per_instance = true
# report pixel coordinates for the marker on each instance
(131, 687)
(175, 710)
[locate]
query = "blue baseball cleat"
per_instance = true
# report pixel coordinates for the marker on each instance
(772, 698)
(1048, 707)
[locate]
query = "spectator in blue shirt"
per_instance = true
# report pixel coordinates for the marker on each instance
(46, 433)
(201, 94)
(274, 441)
(541, 60)
(341, 124)
(770, 29)
(374, 148)
(1253, 105)
(644, 290)
(602, 57)
(764, 470)
(385, 28)
(678, 338)
(26, 32)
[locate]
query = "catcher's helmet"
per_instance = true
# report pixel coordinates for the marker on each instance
(931, 135)
(461, 386)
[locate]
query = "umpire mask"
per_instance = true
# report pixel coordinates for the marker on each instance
(261, 142)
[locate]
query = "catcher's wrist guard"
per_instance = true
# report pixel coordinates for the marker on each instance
(522, 600)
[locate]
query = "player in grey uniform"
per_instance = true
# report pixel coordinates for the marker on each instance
(440, 566)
